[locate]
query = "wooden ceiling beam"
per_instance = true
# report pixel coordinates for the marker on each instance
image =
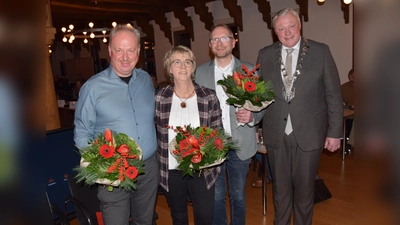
(346, 11)
(76, 13)
(161, 20)
(82, 20)
(201, 9)
(181, 3)
(303, 4)
(235, 11)
(264, 7)
(184, 19)
(146, 27)
(106, 7)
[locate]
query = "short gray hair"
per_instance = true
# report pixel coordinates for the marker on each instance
(283, 12)
(127, 27)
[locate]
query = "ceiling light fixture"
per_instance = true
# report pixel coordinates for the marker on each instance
(70, 34)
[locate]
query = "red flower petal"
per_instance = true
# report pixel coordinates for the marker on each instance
(218, 144)
(131, 172)
(250, 86)
(123, 149)
(111, 169)
(196, 158)
(244, 67)
(121, 174)
(193, 141)
(106, 151)
(235, 75)
(238, 82)
(183, 144)
(108, 135)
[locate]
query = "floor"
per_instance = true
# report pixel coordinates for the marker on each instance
(342, 179)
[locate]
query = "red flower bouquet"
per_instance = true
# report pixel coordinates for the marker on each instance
(248, 90)
(199, 148)
(112, 159)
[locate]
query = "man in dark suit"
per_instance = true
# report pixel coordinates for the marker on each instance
(306, 117)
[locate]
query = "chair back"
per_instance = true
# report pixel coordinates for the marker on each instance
(87, 195)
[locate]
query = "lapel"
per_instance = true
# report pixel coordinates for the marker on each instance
(236, 64)
(298, 79)
(210, 81)
(277, 65)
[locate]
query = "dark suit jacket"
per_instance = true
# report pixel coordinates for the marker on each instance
(316, 111)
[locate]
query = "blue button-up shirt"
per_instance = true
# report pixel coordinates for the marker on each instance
(106, 101)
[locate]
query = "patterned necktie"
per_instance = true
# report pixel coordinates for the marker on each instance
(288, 79)
(288, 63)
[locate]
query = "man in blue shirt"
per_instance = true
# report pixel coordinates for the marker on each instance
(121, 98)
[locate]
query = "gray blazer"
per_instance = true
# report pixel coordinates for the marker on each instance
(244, 135)
(316, 111)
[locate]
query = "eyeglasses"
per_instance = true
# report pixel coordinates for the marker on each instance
(222, 39)
(179, 63)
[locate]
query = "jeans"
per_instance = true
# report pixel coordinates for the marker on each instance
(237, 170)
(268, 170)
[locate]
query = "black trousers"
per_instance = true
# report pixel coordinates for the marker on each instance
(180, 188)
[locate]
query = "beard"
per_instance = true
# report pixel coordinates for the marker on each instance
(222, 54)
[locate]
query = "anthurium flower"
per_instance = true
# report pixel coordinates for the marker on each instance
(106, 151)
(189, 152)
(236, 76)
(123, 149)
(108, 135)
(197, 158)
(250, 86)
(193, 141)
(131, 172)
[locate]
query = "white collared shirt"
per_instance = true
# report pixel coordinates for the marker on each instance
(219, 74)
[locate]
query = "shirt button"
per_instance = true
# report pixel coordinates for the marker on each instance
(285, 119)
